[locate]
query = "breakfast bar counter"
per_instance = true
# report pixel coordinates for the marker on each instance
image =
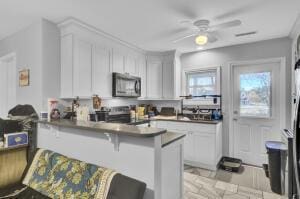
(114, 128)
(151, 155)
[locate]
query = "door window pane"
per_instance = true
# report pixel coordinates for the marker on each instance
(255, 94)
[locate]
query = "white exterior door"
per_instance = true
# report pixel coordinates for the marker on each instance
(7, 85)
(256, 110)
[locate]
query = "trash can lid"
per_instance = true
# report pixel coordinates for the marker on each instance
(275, 146)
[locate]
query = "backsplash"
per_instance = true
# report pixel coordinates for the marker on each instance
(122, 102)
(163, 103)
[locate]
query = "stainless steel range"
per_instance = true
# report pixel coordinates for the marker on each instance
(117, 114)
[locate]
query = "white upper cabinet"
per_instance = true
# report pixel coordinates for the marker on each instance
(82, 68)
(168, 79)
(102, 74)
(143, 75)
(118, 61)
(88, 59)
(66, 80)
(131, 65)
(154, 80)
(162, 77)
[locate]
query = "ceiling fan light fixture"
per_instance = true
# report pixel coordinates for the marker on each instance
(201, 40)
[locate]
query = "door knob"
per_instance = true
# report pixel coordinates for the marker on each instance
(235, 119)
(235, 112)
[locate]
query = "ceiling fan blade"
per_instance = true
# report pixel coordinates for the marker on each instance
(185, 37)
(183, 9)
(189, 25)
(176, 32)
(226, 25)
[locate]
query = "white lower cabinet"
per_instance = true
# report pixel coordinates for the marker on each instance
(188, 145)
(202, 144)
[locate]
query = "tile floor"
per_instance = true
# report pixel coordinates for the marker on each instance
(248, 184)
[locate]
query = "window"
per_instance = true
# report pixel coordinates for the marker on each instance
(202, 83)
(255, 94)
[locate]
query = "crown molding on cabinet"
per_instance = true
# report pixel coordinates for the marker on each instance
(74, 21)
(295, 29)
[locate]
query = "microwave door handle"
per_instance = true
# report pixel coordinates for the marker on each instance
(137, 86)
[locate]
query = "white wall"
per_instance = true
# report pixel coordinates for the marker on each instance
(37, 49)
(253, 51)
(7, 84)
(50, 62)
(27, 46)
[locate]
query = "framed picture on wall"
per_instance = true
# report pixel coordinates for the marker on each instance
(24, 77)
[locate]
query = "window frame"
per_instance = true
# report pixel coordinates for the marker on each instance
(187, 72)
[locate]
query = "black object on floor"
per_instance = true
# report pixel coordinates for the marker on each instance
(266, 169)
(277, 155)
(230, 164)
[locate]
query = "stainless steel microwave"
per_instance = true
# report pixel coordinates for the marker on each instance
(125, 85)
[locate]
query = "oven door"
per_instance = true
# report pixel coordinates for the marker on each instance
(125, 85)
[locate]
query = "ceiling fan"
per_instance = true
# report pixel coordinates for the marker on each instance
(204, 33)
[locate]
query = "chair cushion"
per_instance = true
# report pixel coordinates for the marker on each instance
(123, 187)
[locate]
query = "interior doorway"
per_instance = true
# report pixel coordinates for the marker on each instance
(8, 85)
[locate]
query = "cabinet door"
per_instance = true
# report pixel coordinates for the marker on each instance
(83, 69)
(204, 147)
(118, 61)
(154, 80)
(102, 76)
(131, 66)
(66, 77)
(143, 75)
(168, 80)
(189, 147)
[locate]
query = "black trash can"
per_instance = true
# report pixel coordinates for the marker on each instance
(277, 155)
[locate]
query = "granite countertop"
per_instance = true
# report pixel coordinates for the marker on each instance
(170, 137)
(103, 127)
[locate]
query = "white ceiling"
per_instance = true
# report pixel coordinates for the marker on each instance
(153, 24)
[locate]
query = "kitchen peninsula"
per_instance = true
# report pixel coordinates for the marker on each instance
(151, 155)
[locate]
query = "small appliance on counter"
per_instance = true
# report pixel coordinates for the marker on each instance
(167, 111)
(125, 85)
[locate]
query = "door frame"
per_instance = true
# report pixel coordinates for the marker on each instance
(3, 59)
(282, 91)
